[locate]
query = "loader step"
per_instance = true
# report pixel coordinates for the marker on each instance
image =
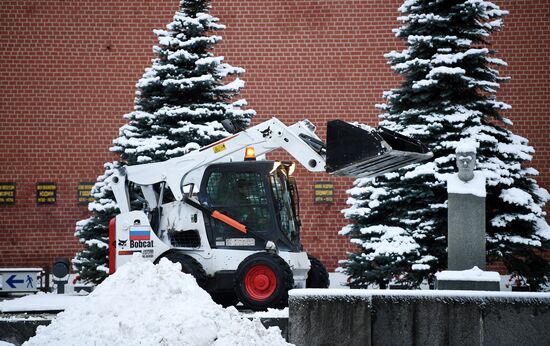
(360, 152)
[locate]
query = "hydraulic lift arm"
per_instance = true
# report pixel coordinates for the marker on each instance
(264, 137)
(352, 151)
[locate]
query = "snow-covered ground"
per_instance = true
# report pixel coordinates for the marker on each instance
(158, 296)
(338, 280)
(40, 302)
(58, 302)
(160, 305)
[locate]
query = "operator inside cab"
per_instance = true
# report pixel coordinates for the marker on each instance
(249, 209)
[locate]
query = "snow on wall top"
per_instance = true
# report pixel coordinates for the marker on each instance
(363, 294)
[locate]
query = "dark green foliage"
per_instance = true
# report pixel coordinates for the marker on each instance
(448, 94)
(180, 101)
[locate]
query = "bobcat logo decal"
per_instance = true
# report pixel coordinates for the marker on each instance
(266, 133)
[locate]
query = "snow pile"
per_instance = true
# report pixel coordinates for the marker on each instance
(474, 274)
(150, 304)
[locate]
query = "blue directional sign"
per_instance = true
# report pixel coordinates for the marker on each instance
(19, 280)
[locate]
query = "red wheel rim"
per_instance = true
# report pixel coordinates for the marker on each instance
(260, 282)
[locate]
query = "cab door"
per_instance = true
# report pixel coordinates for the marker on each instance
(243, 195)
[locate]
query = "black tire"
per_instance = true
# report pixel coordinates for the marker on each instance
(189, 265)
(225, 299)
(317, 277)
(263, 280)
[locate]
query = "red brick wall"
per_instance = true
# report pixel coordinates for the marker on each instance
(69, 68)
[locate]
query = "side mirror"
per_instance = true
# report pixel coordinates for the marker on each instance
(188, 190)
(229, 126)
(233, 126)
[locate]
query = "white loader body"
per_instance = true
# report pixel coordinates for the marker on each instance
(135, 235)
(248, 250)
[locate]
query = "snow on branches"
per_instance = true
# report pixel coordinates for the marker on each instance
(450, 79)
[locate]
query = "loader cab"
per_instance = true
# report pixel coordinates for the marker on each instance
(258, 194)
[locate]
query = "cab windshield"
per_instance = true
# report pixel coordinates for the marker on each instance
(284, 206)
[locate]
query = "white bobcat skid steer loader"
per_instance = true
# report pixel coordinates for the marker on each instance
(231, 221)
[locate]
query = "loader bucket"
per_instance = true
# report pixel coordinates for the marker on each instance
(357, 152)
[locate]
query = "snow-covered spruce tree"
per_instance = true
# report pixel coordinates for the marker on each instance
(92, 262)
(399, 220)
(180, 101)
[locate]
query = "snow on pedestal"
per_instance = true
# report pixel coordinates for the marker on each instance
(470, 279)
(474, 274)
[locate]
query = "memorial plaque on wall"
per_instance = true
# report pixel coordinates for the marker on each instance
(46, 193)
(324, 192)
(84, 193)
(7, 193)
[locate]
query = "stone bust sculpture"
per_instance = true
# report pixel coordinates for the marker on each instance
(466, 162)
(467, 180)
(466, 159)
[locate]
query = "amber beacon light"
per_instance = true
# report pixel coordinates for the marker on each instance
(249, 154)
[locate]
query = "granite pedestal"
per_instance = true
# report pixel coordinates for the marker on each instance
(466, 232)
